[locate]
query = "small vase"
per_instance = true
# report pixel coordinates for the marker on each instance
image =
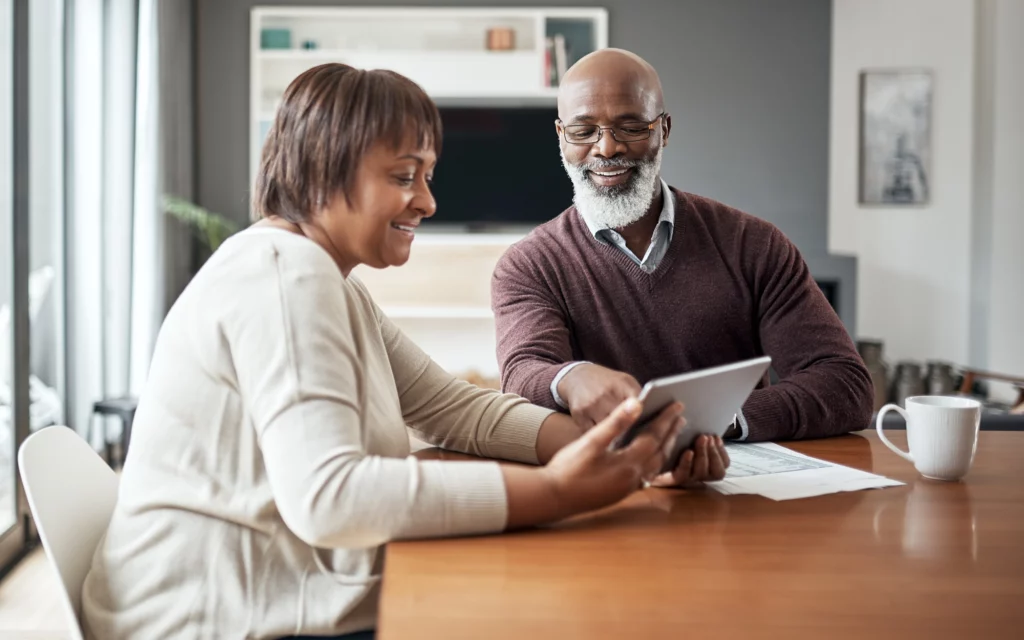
(871, 352)
(939, 379)
(908, 382)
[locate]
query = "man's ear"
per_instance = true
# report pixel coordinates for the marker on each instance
(666, 129)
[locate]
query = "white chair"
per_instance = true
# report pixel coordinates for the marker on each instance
(71, 492)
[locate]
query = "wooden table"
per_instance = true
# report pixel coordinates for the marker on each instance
(928, 560)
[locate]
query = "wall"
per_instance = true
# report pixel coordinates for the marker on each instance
(746, 82)
(1004, 348)
(913, 268)
(942, 280)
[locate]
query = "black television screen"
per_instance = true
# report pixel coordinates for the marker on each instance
(499, 166)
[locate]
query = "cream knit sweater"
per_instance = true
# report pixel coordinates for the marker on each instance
(269, 459)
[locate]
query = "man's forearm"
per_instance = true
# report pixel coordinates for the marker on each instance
(825, 400)
(531, 379)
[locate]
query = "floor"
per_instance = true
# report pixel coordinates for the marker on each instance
(29, 605)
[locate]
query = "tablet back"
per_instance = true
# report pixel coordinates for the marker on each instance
(711, 397)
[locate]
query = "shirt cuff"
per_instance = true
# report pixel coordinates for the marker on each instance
(558, 378)
(515, 436)
(744, 429)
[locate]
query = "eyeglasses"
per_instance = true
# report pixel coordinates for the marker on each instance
(625, 132)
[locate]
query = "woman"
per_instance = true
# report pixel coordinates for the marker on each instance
(269, 459)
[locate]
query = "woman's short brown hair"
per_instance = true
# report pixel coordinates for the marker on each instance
(329, 118)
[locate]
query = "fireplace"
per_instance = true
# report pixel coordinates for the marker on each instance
(830, 288)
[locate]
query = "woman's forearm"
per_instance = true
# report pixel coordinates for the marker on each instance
(532, 498)
(555, 432)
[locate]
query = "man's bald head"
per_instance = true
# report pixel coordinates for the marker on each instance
(610, 76)
(612, 127)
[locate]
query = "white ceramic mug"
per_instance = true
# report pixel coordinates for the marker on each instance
(942, 433)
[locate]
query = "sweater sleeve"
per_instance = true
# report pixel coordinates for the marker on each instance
(532, 329)
(453, 414)
(824, 389)
(299, 376)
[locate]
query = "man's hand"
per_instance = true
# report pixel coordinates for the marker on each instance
(592, 392)
(707, 460)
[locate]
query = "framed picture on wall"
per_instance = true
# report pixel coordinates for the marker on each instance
(895, 137)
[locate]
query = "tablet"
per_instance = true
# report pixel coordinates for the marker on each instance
(711, 398)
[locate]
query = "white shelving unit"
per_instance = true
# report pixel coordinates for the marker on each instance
(443, 49)
(441, 299)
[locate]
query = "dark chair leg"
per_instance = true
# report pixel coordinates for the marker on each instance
(126, 435)
(108, 446)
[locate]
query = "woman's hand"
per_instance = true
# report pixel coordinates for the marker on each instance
(586, 474)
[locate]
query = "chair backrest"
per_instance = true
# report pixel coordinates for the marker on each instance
(71, 492)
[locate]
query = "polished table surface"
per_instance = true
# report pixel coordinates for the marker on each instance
(927, 560)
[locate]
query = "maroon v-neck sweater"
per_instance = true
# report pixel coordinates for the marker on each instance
(730, 287)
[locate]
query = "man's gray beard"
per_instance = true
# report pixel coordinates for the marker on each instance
(617, 206)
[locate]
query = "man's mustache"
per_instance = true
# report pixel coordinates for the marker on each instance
(604, 165)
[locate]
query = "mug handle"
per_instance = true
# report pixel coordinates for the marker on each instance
(881, 434)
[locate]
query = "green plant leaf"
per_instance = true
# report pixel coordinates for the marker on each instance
(211, 228)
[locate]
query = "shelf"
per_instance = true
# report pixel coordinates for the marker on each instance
(439, 313)
(545, 96)
(441, 73)
(443, 49)
(306, 55)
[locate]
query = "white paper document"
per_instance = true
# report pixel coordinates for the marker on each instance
(775, 472)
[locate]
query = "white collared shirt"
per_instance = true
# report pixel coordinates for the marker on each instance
(660, 239)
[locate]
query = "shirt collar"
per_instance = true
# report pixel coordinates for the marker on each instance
(668, 213)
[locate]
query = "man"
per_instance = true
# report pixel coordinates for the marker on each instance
(638, 280)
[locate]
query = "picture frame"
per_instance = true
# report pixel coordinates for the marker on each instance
(895, 143)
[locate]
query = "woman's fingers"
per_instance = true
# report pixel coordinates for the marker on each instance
(660, 459)
(648, 452)
(654, 434)
(656, 461)
(605, 432)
